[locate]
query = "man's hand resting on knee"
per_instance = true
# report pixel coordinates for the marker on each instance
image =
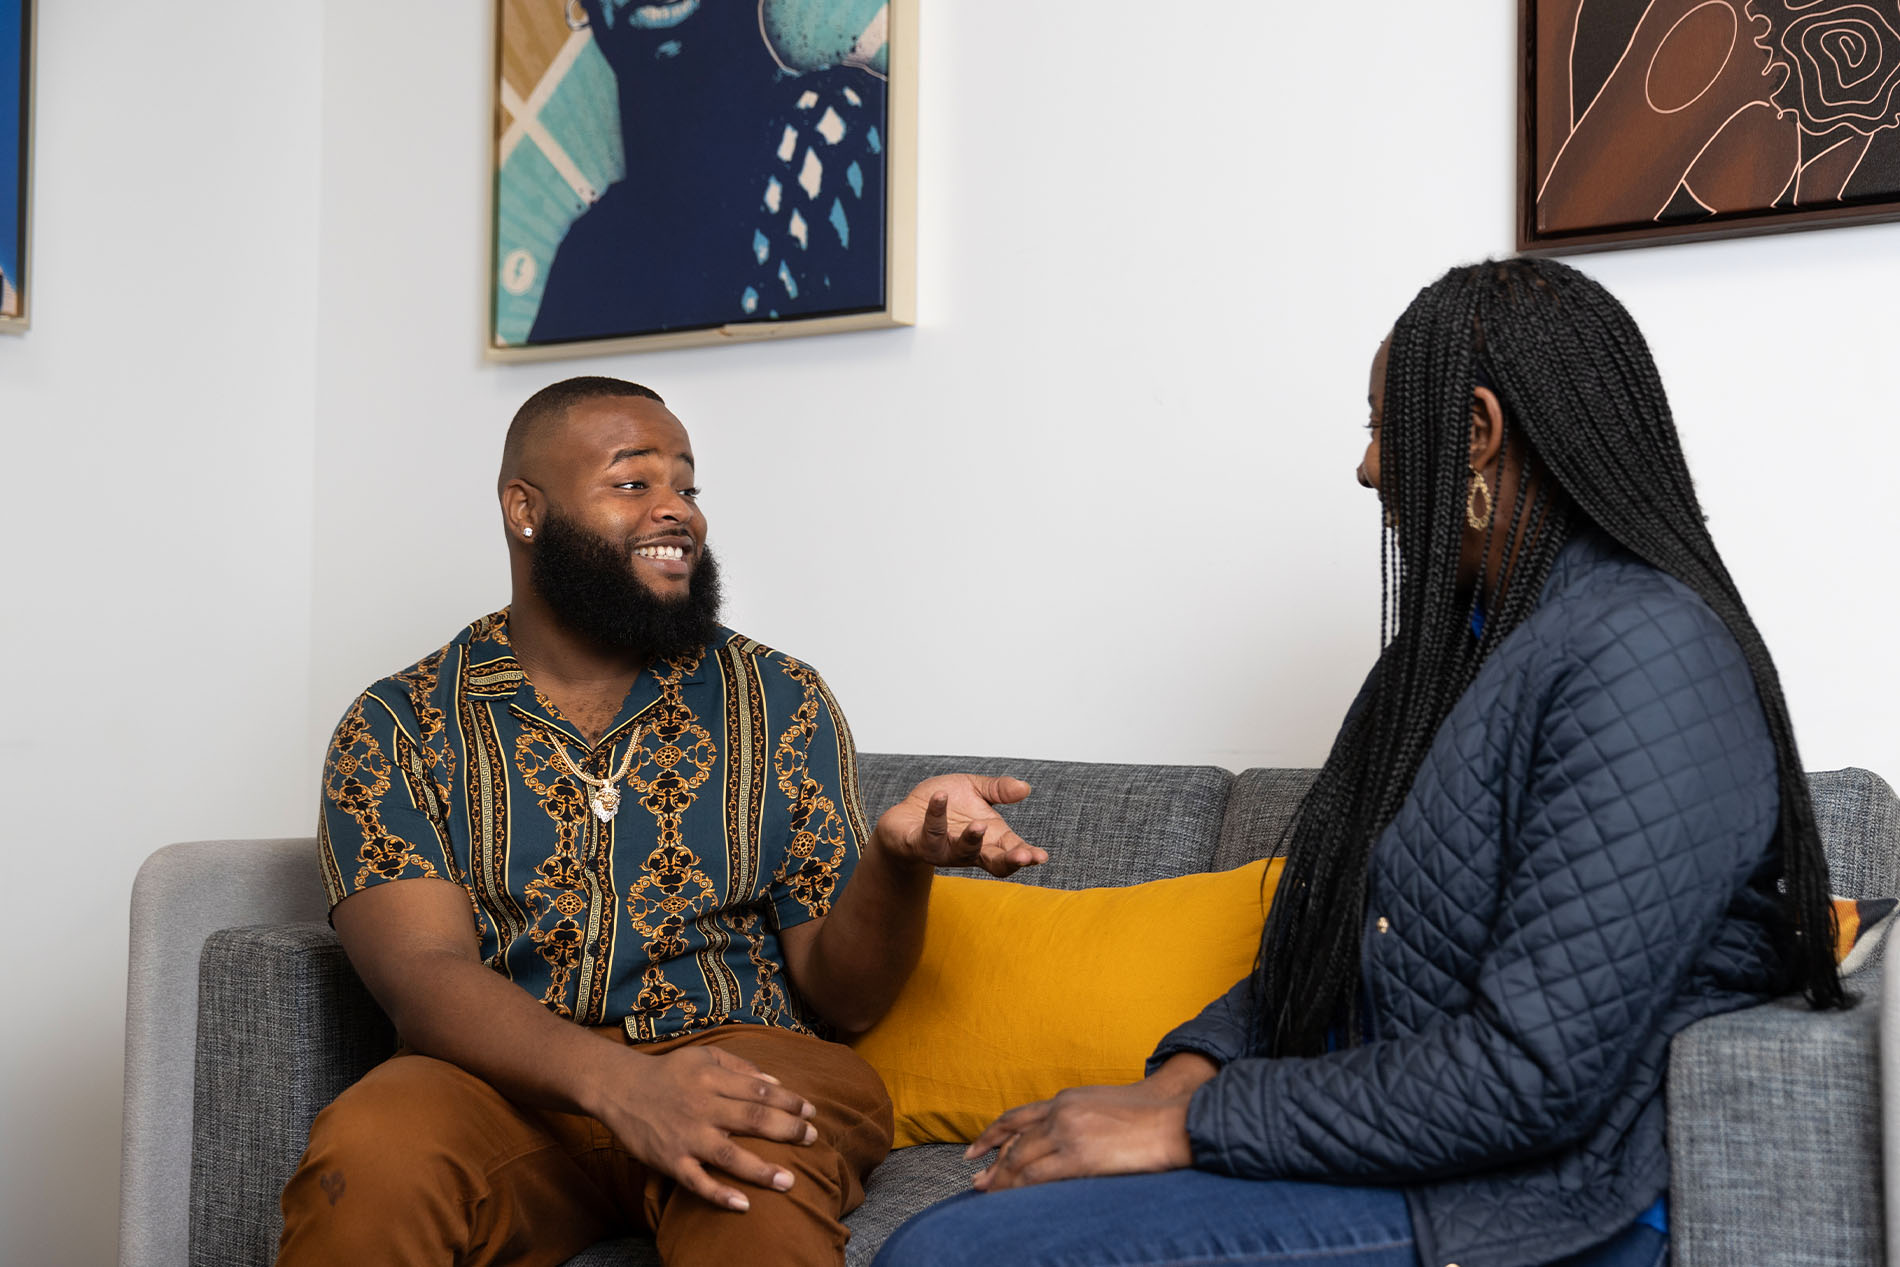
(684, 1113)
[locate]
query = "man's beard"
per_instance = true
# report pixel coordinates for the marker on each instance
(591, 586)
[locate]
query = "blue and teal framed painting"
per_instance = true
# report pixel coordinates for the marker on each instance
(700, 171)
(16, 159)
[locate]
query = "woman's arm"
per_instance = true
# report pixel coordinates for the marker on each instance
(1223, 1031)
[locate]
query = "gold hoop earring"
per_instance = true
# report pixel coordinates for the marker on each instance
(1478, 488)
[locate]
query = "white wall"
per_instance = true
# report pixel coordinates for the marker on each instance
(1779, 355)
(1099, 503)
(157, 570)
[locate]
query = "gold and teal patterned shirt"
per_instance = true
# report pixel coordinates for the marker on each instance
(739, 816)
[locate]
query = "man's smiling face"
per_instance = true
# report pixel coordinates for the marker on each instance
(622, 506)
(623, 471)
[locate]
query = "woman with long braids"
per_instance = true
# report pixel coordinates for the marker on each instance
(1564, 819)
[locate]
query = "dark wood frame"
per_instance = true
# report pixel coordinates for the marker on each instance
(1735, 225)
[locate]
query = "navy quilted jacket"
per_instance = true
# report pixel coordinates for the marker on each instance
(1581, 869)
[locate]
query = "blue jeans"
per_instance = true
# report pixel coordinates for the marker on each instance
(1188, 1217)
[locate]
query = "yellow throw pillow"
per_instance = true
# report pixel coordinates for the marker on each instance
(1859, 927)
(1023, 991)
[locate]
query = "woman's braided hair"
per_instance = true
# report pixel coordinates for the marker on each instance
(1581, 394)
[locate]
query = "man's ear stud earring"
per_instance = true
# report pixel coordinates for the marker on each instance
(527, 532)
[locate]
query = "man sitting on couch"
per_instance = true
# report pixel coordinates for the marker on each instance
(603, 863)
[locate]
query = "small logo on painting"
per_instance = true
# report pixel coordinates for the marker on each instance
(517, 272)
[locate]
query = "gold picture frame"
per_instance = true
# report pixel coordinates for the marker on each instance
(599, 244)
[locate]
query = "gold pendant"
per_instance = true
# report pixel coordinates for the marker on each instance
(605, 802)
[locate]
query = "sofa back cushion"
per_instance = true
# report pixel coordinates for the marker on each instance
(1857, 812)
(1859, 818)
(1258, 811)
(1102, 824)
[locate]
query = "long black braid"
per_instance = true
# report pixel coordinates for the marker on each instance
(1583, 402)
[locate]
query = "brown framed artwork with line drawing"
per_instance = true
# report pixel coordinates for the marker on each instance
(1644, 121)
(16, 163)
(673, 172)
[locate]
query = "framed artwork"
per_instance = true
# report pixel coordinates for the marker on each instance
(1659, 120)
(16, 159)
(700, 171)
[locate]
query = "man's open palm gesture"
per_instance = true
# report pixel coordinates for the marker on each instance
(951, 821)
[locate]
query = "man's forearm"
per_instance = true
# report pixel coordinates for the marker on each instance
(413, 945)
(457, 1009)
(850, 964)
(870, 942)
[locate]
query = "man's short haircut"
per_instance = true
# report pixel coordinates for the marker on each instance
(550, 405)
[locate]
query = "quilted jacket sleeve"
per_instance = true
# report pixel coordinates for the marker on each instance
(1222, 1032)
(1646, 802)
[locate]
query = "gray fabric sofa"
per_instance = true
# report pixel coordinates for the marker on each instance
(244, 1019)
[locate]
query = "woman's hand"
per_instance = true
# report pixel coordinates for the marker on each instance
(1138, 1129)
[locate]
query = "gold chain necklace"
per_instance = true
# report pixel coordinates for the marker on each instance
(603, 795)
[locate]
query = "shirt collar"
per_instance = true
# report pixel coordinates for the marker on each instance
(494, 673)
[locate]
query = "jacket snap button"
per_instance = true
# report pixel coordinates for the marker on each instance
(1385, 926)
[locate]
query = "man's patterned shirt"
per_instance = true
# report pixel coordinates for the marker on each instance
(739, 816)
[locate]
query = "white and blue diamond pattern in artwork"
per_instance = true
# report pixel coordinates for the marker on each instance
(691, 164)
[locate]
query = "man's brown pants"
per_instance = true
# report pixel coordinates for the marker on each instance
(421, 1162)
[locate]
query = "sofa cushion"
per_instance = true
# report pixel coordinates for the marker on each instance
(1102, 824)
(637, 1250)
(906, 1183)
(1856, 811)
(1259, 809)
(1024, 991)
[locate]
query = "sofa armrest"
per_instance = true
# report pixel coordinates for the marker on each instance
(1890, 1104)
(284, 1025)
(1775, 1135)
(183, 893)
